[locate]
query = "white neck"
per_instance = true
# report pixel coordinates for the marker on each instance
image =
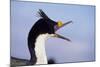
(40, 49)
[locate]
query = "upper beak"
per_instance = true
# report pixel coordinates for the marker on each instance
(62, 37)
(66, 24)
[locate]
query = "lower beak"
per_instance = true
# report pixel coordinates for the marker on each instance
(62, 37)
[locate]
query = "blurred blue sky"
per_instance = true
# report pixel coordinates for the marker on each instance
(81, 31)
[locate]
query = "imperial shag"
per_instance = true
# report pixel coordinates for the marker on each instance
(40, 31)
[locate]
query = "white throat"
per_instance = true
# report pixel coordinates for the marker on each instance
(40, 49)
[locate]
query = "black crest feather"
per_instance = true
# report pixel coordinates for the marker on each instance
(42, 14)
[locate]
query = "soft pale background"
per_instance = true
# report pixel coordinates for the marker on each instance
(81, 32)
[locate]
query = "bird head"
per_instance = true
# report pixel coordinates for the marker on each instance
(53, 26)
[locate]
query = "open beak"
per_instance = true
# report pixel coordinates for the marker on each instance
(60, 26)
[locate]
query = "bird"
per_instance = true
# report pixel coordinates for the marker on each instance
(43, 29)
